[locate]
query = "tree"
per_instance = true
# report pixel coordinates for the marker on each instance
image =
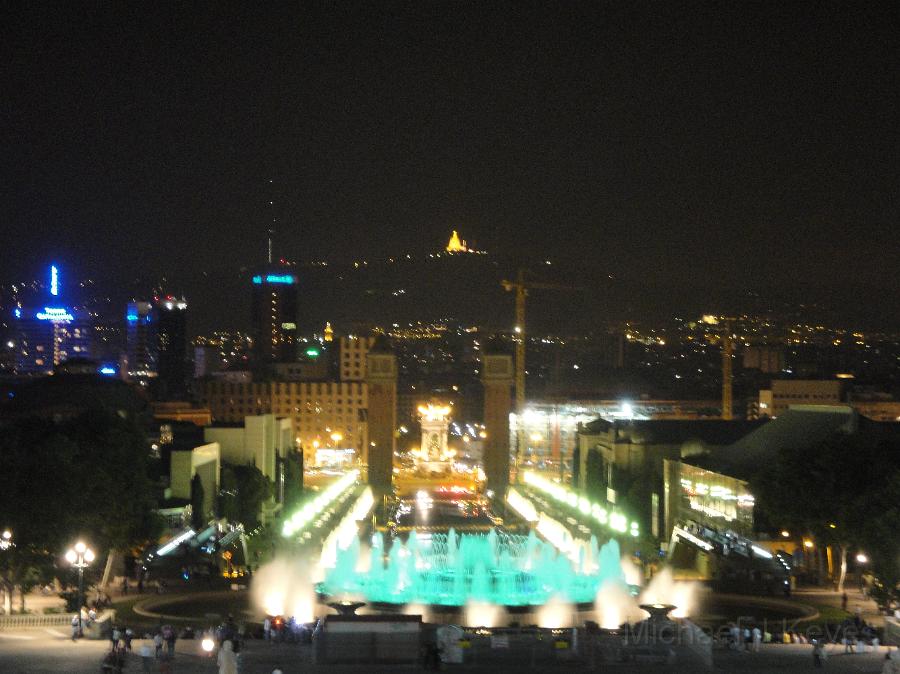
(83, 478)
(198, 514)
(594, 479)
(247, 490)
(576, 466)
(829, 489)
(293, 479)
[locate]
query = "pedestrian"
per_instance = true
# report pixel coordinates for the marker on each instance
(125, 585)
(141, 584)
(757, 639)
(226, 659)
(114, 637)
(745, 641)
(818, 654)
(74, 627)
(146, 656)
(267, 628)
(158, 643)
(844, 601)
(129, 635)
(170, 641)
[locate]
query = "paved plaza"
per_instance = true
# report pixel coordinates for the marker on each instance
(49, 651)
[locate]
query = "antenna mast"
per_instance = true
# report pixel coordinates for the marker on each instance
(272, 227)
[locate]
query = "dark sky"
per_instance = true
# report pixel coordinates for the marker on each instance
(670, 141)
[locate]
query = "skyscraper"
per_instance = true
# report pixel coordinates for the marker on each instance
(140, 342)
(274, 316)
(50, 332)
(171, 330)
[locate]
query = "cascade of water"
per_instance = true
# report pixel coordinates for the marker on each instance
(376, 560)
(595, 555)
(392, 580)
(452, 547)
(492, 547)
(481, 583)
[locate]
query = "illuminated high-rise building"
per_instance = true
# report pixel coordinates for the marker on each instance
(274, 316)
(141, 349)
(171, 340)
(50, 331)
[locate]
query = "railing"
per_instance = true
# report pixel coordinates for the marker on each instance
(30, 620)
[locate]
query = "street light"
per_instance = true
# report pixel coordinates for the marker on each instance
(79, 557)
(6, 543)
(862, 558)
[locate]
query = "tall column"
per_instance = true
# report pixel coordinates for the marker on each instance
(381, 380)
(497, 378)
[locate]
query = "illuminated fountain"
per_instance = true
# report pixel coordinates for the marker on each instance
(497, 569)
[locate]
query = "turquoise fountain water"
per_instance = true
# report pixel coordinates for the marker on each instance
(451, 570)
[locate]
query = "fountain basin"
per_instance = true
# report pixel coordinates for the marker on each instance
(450, 570)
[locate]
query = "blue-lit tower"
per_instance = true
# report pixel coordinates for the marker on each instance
(50, 331)
(274, 316)
(140, 342)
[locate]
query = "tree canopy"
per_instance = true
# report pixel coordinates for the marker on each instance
(84, 478)
(843, 491)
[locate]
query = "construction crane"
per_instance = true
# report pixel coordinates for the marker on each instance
(521, 288)
(726, 339)
(727, 373)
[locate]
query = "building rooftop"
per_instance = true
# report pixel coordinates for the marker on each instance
(800, 426)
(715, 432)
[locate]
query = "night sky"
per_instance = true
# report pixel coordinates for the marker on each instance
(668, 142)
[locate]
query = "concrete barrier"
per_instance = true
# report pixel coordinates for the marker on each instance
(891, 631)
(697, 642)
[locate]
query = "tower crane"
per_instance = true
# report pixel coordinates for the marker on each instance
(521, 286)
(727, 373)
(725, 325)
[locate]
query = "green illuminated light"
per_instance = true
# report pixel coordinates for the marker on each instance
(615, 521)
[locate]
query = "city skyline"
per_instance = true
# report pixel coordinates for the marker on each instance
(665, 145)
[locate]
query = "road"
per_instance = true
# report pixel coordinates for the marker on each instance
(49, 651)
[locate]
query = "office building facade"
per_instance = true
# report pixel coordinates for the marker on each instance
(274, 316)
(171, 328)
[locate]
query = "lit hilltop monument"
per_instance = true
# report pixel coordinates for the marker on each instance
(456, 245)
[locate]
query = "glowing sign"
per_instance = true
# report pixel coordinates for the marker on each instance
(54, 280)
(312, 353)
(55, 314)
(18, 312)
(107, 370)
(132, 317)
(286, 279)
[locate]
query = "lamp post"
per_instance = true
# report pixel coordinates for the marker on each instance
(6, 543)
(79, 557)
